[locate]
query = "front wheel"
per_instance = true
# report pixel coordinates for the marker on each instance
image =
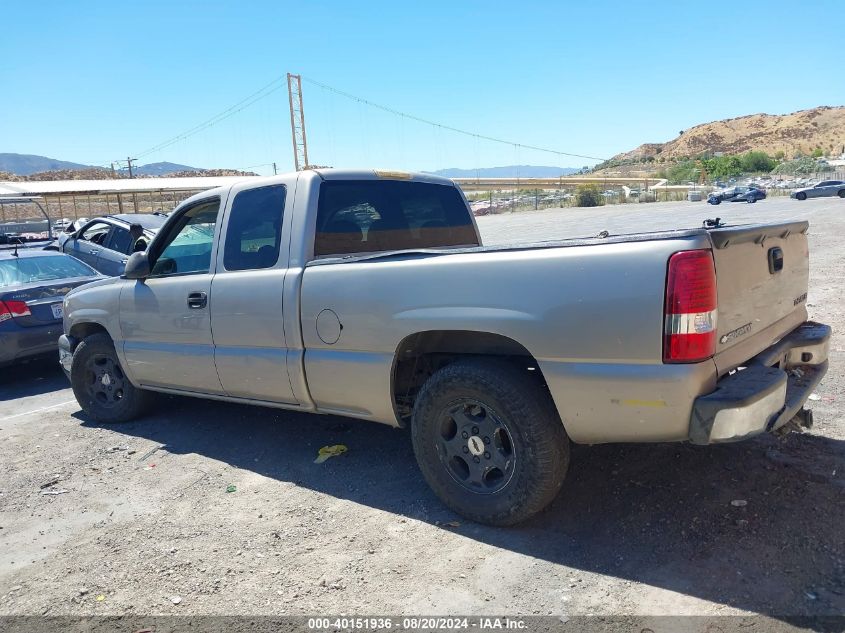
(842, 193)
(714, 200)
(801, 195)
(101, 387)
(751, 199)
(489, 442)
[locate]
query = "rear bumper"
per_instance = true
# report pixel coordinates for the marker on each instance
(768, 393)
(23, 343)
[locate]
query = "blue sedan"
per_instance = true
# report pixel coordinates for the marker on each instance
(33, 284)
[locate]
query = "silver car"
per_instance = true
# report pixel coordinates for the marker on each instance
(824, 188)
(105, 243)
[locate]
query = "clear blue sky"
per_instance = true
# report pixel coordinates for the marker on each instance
(95, 81)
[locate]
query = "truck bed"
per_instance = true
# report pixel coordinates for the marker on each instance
(590, 310)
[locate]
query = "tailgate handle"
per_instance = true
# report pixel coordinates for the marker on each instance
(775, 260)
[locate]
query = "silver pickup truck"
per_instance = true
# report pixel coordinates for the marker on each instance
(368, 294)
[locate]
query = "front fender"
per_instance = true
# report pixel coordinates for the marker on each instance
(95, 308)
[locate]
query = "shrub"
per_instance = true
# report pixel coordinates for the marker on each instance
(588, 196)
(802, 166)
(683, 172)
(757, 162)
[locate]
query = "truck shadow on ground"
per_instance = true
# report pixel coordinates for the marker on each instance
(37, 377)
(655, 514)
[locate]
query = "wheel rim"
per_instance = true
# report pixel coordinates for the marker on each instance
(105, 381)
(475, 446)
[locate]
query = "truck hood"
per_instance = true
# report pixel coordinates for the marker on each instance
(104, 281)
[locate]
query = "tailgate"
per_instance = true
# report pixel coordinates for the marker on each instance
(761, 276)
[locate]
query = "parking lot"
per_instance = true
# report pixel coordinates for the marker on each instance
(212, 508)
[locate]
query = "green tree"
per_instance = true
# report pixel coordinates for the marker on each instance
(723, 166)
(817, 153)
(682, 172)
(757, 161)
(802, 166)
(588, 196)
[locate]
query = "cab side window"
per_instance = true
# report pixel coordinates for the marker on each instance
(96, 232)
(119, 241)
(254, 229)
(187, 247)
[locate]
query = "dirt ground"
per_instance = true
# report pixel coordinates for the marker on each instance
(145, 524)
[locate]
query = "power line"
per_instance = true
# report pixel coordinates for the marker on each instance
(279, 82)
(441, 125)
(266, 91)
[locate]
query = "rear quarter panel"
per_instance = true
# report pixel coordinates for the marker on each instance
(592, 316)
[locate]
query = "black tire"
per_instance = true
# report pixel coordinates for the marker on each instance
(528, 445)
(714, 200)
(101, 387)
(801, 195)
(841, 193)
(751, 199)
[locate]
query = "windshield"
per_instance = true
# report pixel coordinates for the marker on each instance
(24, 270)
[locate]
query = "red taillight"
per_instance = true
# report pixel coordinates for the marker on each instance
(9, 309)
(690, 311)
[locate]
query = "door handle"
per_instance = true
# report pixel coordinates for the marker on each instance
(93, 251)
(197, 300)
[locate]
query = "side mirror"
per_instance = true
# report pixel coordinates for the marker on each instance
(137, 266)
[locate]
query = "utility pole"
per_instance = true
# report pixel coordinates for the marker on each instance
(274, 169)
(113, 174)
(129, 162)
(297, 122)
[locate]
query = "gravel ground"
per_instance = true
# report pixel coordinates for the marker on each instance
(146, 525)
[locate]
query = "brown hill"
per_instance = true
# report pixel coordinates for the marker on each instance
(797, 133)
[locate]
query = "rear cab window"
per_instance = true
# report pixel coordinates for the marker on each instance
(367, 216)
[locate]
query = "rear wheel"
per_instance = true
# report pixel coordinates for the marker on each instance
(714, 200)
(801, 195)
(489, 442)
(101, 387)
(842, 193)
(751, 199)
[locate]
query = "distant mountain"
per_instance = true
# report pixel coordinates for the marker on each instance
(162, 169)
(509, 171)
(29, 164)
(26, 164)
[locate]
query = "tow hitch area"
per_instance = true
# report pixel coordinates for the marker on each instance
(802, 420)
(768, 394)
